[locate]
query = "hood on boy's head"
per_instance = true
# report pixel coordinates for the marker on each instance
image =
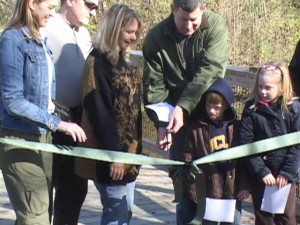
(223, 87)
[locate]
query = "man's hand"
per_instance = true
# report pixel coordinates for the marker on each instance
(117, 171)
(164, 139)
(176, 120)
(269, 180)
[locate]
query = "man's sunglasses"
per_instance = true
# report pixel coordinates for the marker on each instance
(90, 5)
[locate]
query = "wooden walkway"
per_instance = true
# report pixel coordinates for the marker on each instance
(153, 202)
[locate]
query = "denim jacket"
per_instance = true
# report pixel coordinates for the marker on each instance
(24, 84)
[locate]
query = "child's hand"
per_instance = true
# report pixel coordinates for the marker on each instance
(243, 194)
(281, 181)
(269, 180)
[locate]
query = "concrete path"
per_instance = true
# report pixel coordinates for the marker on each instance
(153, 202)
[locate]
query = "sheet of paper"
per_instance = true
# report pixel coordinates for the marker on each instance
(163, 110)
(220, 210)
(274, 199)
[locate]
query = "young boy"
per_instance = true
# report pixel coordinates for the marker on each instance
(212, 130)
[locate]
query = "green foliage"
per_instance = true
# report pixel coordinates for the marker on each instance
(152, 11)
(259, 30)
(5, 11)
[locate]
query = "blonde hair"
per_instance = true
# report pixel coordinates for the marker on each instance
(22, 16)
(107, 36)
(277, 70)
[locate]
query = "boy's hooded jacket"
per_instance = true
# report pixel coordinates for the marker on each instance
(203, 134)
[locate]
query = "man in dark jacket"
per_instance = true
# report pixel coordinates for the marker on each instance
(294, 69)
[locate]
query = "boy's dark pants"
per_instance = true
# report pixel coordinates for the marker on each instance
(265, 218)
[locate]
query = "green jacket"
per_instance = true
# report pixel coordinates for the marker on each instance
(181, 80)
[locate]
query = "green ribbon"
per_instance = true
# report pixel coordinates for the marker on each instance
(181, 173)
(183, 176)
(91, 153)
(253, 148)
(129, 158)
(201, 196)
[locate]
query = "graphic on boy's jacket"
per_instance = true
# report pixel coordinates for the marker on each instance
(218, 143)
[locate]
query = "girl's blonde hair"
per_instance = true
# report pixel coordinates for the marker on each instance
(107, 36)
(278, 70)
(22, 16)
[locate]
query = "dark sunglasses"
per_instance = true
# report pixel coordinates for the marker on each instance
(90, 5)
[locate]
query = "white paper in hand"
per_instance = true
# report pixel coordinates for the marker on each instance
(220, 210)
(275, 199)
(163, 110)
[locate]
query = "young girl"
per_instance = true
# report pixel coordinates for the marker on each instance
(271, 111)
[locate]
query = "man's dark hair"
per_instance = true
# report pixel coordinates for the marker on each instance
(62, 2)
(188, 5)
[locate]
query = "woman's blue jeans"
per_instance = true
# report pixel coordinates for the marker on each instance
(117, 202)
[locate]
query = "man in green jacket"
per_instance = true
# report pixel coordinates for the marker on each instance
(184, 54)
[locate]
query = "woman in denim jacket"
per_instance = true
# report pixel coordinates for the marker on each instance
(27, 84)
